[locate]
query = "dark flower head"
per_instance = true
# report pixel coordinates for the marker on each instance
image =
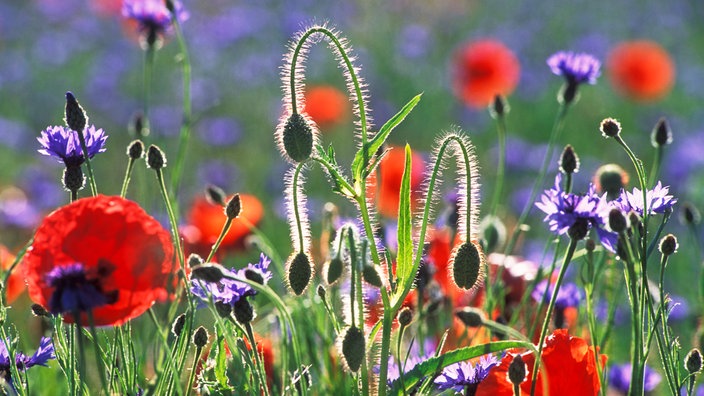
(576, 68)
(63, 144)
(564, 210)
(41, 357)
(658, 200)
(153, 17)
(569, 295)
(76, 290)
(620, 378)
(462, 375)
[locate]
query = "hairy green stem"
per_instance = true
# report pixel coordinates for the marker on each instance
(185, 133)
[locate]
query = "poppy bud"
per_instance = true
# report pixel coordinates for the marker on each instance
(223, 309)
(73, 178)
(243, 310)
(234, 207)
(298, 138)
(611, 178)
(405, 316)
(353, 348)
(178, 324)
(254, 275)
(322, 293)
(135, 150)
(693, 361)
(467, 262)
(493, 233)
(689, 215)
(662, 135)
(371, 275)
(569, 161)
(617, 221)
(299, 272)
(333, 269)
(200, 338)
(76, 118)
(609, 127)
(499, 107)
(155, 158)
(40, 311)
(470, 316)
(590, 245)
(136, 126)
(668, 245)
(194, 260)
(208, 272)
(517, 370)
(215, 195)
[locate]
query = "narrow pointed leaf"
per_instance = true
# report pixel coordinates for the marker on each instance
(404, 258)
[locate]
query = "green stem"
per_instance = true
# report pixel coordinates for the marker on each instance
(89, 167)
(192, 376)
(126, 181)
(216, 245)
(385, 343)
(185, 133)
(500, 169)
(96, 349)
(255, 352)
(174, 223)
(147, 71)
(543, 332)
(657, 162)
(296, 211)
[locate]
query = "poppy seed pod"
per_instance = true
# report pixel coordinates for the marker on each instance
(300, 272)
(467, 262)
(298, 138)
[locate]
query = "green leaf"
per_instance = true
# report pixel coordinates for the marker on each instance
(404, 258)
(358, 164)
(434, 365)
(221, 363)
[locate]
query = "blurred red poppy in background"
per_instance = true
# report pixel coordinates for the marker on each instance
(568, 362)
(326, 105)
(483, 69)
(15, 283)
(641, 70)
(103, 255)
(206, 219)
(391, 173)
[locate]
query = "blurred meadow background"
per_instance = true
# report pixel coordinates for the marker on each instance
(48, 47)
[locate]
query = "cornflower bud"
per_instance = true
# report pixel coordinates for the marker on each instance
(661, 135)
(693, 361)
(155, 158)
(517, 371)
(215, 195)
(178, 324)
(470, 316)
(200, 338)
(569, 161)
(135, 150)
(405, 316)
(75, 118)
(617, 221)
(234, 207)
(610, 128)
(668, 245)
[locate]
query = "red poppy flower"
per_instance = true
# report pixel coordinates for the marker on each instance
(326, 105)
(483, 69)
(206, 219)
(391, 173)
(641, 70)
(15, 284)
(568, 362)
(101, 254)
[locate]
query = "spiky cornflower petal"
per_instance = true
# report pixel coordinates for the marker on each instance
(658, 198)
(460, 375)
(230, 291)
(152, 15)
(41, 357)
(63, 144)
(576, 68)
(568, 296)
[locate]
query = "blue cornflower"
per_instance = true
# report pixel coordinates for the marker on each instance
(568, 296)
(41, 357)
(620, 378)
(576, 68)
(63, 144)
(413, 359)
(76, 291)
(658, 199)
(228, 291)
(568, 211)
(153, 16)
(463, 377)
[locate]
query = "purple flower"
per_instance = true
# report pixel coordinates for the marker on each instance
(658, 200)
(576, 68)
(620, 378)
(41, 357)
(462, 375)
(569, 294)
(63, 144)
(230, 291)
(153, 17)
(76, 291)
(413, 359)
(565, 210)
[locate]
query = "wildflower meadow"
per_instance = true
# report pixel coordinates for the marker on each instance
(351, 198)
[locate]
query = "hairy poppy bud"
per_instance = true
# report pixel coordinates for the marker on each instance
(208, 272)
(569, 161)
(200, 338)
(299, 272)
(467, 262)
(609, 127)
(470, 316)
(178, 324)
(156, 159)
(234, 207)
(298, 138)
(194, 259)
(405, 316)
(40, 311)
(223, 309)
(517, 370)
(333, 270)
(76, 118)
(617, 221)
(662, 135)
(215, 195)
(668, 245)
(243, 310)
(353, 348)
(371, 275)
